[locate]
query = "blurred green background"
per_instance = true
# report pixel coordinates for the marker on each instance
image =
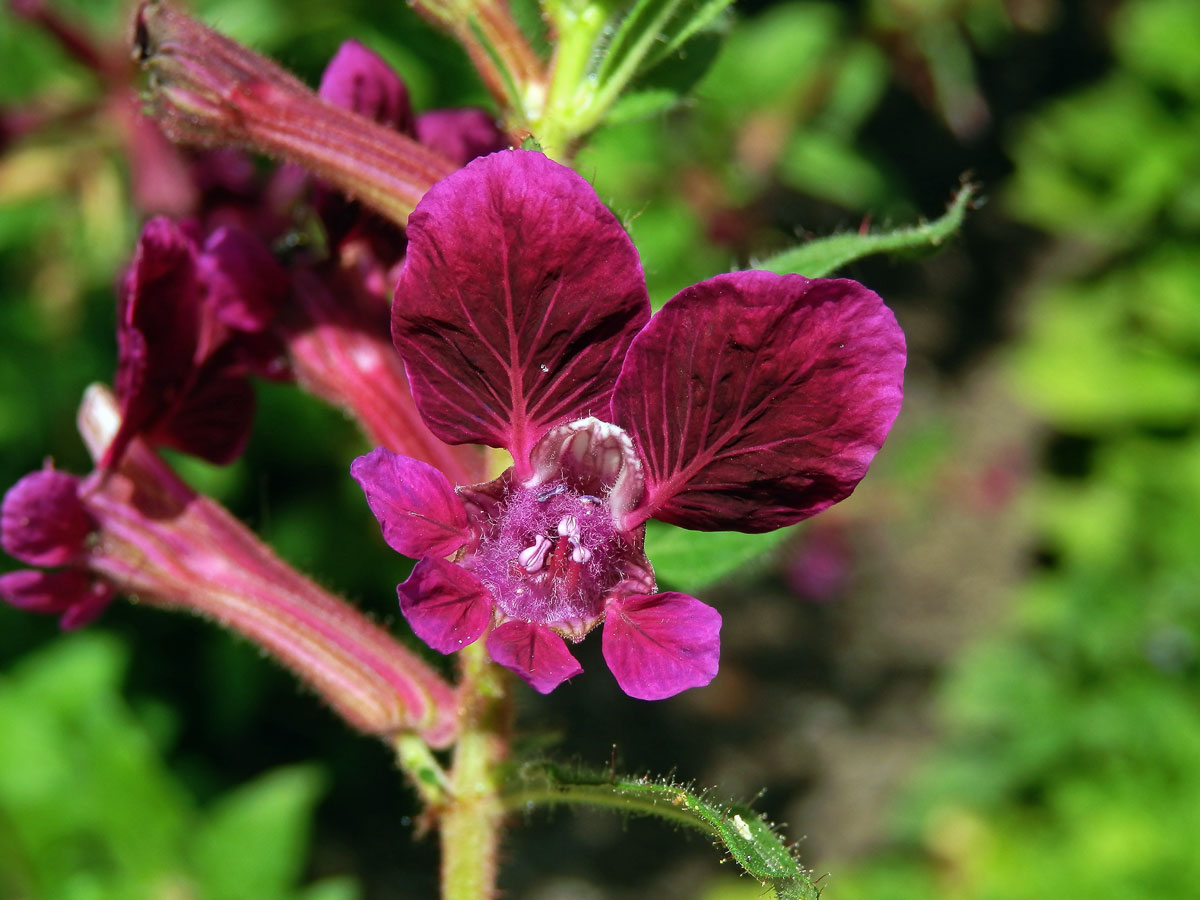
(977, 678)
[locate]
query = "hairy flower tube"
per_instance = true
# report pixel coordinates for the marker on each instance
(749, 402)
(138, 530)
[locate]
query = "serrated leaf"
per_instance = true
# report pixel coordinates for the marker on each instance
(749, 839)
(690, 560)
(253, 843)
(822, 256)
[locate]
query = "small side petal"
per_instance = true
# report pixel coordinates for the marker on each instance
(359, 80)
(660, 644)
(757, 399)
(416, 506)
(42, 521)
(447, 607)
(519, 296)
(535, 653)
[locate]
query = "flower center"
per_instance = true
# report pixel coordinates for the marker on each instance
(550, 557)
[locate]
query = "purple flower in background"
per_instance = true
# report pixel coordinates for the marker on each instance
(43, 523)
(191, 326)
(749, 402)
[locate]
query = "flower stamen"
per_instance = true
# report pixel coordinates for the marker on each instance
(533, 558)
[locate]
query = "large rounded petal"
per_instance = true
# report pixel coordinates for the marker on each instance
(416, 506)
(758, 400)
(661, 644)
(447, 607)
(519, 296)
(534, 652)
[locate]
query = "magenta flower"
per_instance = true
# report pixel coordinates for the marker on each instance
(749, 402)
(191, 326)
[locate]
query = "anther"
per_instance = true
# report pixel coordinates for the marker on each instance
(553, 492)
(568, 527)
(533, 558)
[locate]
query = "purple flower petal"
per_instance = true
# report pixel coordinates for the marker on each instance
(595, 458)
(659, 645)
(460, 135)
(47, 593)
(246, 287)
(215, 421)
(42, 521)
(447, 607)
(89, 607)
(415, 504)
(534, 652)
(518, 298)
(757, 400)
(158, 330)
(359, 80)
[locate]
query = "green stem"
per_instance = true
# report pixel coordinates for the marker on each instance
(570, 88)
(472, 812)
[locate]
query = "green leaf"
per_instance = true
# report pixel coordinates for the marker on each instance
(651, 32)
(749, 839)
(689, 560)
(822, 256)
(666, 84)
(253, 843)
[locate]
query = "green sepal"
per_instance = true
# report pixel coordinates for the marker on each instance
(748, 838)
(822, 256)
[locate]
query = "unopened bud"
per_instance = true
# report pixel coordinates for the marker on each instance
(208, 90)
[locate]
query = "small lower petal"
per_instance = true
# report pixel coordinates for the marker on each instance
(47, 593)
(88, 609)
(658, 645)
(535, 653)
(447, 607)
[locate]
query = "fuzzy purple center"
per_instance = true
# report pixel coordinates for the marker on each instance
(551, 556)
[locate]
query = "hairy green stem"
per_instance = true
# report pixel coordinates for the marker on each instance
(471, 816)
